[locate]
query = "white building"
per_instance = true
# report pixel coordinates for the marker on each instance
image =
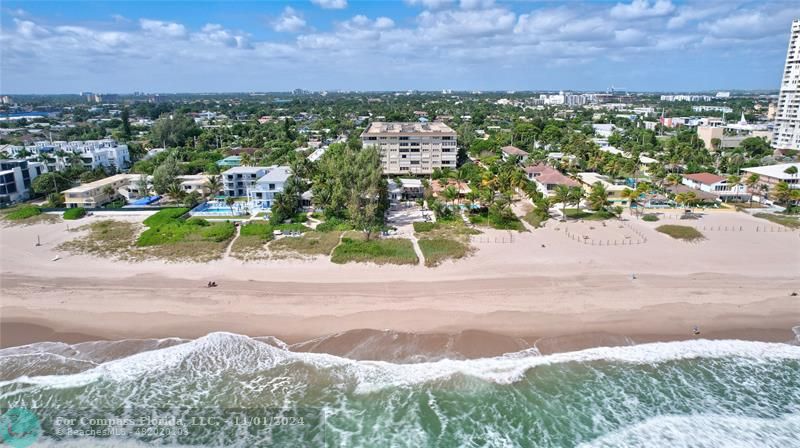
(717, 185)
(16, 177)
(604, 130)
(787, 117)
(412, 148)
(106, 153)
(237, 181)
(264, 190)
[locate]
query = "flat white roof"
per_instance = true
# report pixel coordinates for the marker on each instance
(776, 171)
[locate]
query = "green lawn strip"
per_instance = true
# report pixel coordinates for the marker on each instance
(792, 222)
(482, 219)
(379, 251)
(685, 233)
(574, 213)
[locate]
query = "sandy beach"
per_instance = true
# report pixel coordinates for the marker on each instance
(544, 288)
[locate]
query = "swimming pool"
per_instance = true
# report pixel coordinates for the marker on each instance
(219, 208)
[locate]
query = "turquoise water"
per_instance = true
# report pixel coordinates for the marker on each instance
(693, 393)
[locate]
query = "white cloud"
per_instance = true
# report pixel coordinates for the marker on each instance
(30, 30)
(330, 4)
(430, 4)
(290, 21)
(748, 24)
(170, 29)
(476, 4)
(640, 9)
(461, 36)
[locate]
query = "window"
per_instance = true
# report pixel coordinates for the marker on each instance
(372, 138)
(271, 186)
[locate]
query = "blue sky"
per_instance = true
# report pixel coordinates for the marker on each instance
(203, 46)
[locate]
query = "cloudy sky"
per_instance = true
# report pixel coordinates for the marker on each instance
(202, 46)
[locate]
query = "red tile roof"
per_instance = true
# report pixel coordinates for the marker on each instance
(513, 151)
(556, 178)
(704, 178)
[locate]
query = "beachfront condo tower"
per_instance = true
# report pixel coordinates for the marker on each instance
(787, 118)
(412, 148)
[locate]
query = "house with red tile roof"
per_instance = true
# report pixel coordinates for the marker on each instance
(548, 178)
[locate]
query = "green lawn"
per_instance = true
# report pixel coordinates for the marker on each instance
(482, 219)
(685, 233)
(437, 250)
(784, 220)
(380, 251)
(574, 213)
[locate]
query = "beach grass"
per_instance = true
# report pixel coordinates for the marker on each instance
(601, 215)
(437, 250)
(311, 243)
(685, 233)
(793, 222)
(650, 218)
(535, 218)
(26, 215)
(106, 238)
(379, 251)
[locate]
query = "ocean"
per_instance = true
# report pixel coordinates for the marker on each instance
(225, 389)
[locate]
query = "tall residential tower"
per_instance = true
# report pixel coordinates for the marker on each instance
(787, 118)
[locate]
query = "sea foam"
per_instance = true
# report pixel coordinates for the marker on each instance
(220, 352)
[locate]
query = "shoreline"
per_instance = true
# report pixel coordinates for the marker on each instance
(487, 317)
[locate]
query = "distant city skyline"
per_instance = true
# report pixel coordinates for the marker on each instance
(426, 45)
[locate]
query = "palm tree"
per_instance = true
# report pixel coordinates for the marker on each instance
(782, 192)
(561, 194)
(246, 159)
(576, 195)
(450, 194)
(598, 197)
(751, 181)
(674, 179)
(175, 191)
(229, 201)
(630, 196)
(733, 181)
(791, 170)
(213, 185)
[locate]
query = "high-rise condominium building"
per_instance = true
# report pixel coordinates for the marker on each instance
(412, 148)
(787, 117)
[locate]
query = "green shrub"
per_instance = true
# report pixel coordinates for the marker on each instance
(650, 218)
(24, 212)
(74, 213)
(167, 227)
(299, 218)
(198, 222)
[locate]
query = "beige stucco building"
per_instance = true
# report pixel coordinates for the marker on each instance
(412, 148)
